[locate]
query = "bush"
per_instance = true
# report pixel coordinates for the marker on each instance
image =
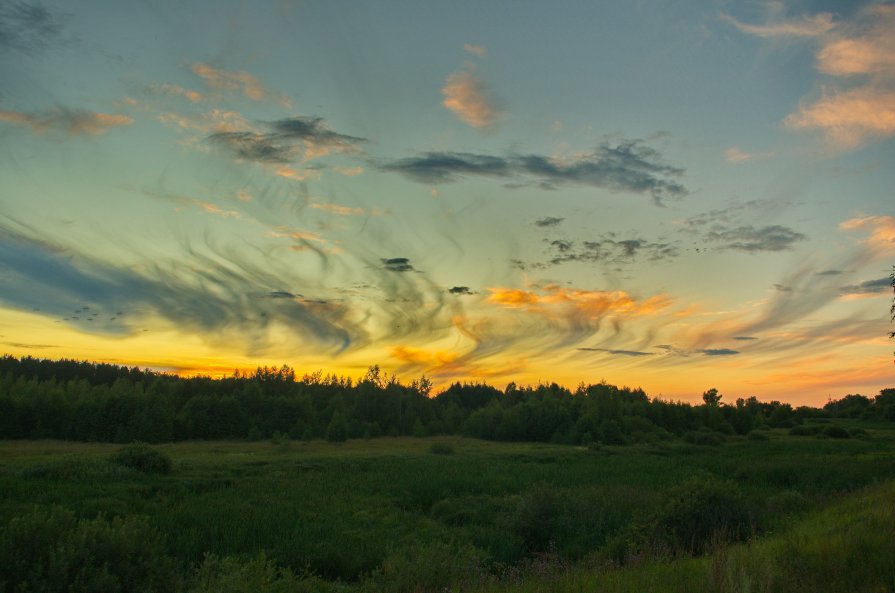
(143, 458)
(53, 551)
(441, 449)
(757, 435)
(836, 432)
(434, 566)
(700, 513)
(537, 519)
(803, 431)
(704, 437)
(258, 575)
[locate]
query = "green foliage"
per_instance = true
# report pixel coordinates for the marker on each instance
(704, 436)
(701, 513)
(258, 574)
(143, 458)
(536, 519)
(435, 566)
(337, 430)
(441, 449)
(836, 432)
(53, 551)
(757, 435)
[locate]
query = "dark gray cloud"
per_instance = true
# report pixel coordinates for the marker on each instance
(719, 352)
(608, 249)
(283, 139)
(635, 353)
(548, 221)
(314, 130)
(705, 351)
(629, 167)
(868, 287)
(397, 264)
(281, 294)
(216, 298)
(251, 146)
(830, 273)
(752, 240)
(782, 288)
(460, 290)
(744, 338)
(28, 27)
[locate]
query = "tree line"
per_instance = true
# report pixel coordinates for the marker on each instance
(85, 401)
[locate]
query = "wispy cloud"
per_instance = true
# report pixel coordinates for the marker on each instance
(548, 221)
(67, 121)
(285, 140)
(882, 232)
(476, 50)
(466, 95)
(868, 287)
(807, 26)
(609, 249)
(28, 27)
(735, 155)
(552, 300)
(849, 117)
(630, 166)
(634, 353)
(216, 298)
(238, 80)
(345, 210)
(752, 240)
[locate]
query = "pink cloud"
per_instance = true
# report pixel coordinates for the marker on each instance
(465, 95)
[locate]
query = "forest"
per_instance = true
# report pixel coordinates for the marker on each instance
(84, 401)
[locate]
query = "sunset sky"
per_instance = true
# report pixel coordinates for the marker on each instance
(674, 196)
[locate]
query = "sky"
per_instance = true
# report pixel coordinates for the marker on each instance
(673, 196)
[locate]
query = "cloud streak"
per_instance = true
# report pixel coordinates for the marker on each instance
(808, 26)
(286, 140)
(627, 167)
(237, 80)
(73, 122)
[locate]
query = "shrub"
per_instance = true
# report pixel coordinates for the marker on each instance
(536, 519)
(258, 575)
(53, 551)
(441, 449)
(433, 566)
(143, 458)
(704, 437)
(757, 435)
(700, 513)
(836, 432)
(803, 431)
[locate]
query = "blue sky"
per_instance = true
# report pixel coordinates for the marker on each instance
(675, 197)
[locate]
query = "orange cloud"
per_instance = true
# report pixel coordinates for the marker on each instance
(71, 121)
(882, 232)
(238, 80)
(465, 95)
(864, 48)
(555, 299)
(850, 117)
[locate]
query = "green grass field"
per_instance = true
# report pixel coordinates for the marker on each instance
(794, 513)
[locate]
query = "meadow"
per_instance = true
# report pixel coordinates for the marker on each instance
(780, 510)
